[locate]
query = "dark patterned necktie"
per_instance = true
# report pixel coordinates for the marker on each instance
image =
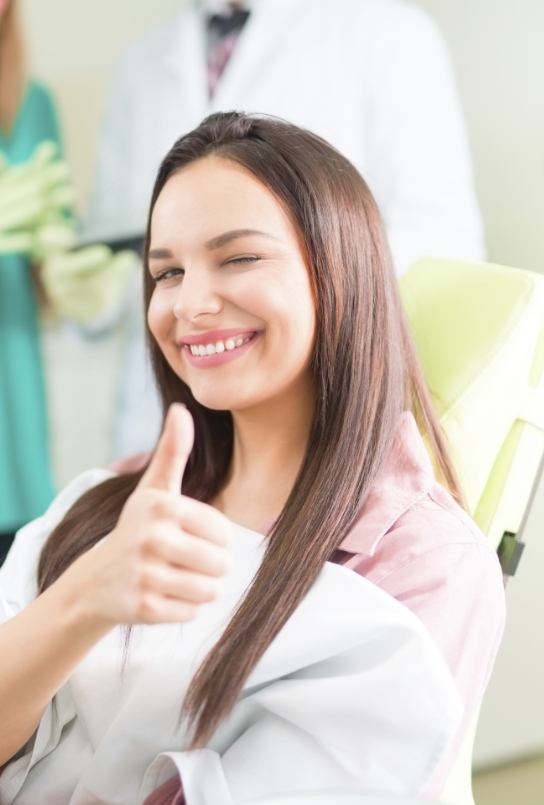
(223, 31)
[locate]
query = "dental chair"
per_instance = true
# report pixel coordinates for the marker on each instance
(479, 332)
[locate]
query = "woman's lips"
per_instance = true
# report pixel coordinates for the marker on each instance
(212, 336)
(220, 358)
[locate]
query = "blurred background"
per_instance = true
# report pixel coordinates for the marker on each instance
(496, 49)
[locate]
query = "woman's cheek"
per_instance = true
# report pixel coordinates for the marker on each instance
(159, 316)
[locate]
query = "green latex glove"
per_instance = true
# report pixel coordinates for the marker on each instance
(34, 199)
(46, 240)
(89, 284)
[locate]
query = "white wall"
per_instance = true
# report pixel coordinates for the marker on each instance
(74, 45)
(496, 46)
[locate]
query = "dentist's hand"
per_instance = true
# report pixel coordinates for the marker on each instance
(167, 553)
(89, 283)
(35, 197)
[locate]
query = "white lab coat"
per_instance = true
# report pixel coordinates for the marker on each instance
(352, 694)
(371, 76)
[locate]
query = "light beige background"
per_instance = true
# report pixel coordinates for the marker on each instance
(496, 46)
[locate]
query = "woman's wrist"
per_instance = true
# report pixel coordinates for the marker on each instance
(74, 596)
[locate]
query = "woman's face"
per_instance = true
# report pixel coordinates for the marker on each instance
(232, 309)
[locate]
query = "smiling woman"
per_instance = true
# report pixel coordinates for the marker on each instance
(274, 317)
(228, 294)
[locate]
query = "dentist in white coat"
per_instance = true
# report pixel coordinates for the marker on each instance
(373, 77)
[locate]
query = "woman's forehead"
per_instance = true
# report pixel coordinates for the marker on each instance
(213, 177)
(215, 194)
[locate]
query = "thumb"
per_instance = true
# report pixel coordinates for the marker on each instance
(172, 453)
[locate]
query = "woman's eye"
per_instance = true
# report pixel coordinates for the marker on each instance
(246, 258)
(168, 274)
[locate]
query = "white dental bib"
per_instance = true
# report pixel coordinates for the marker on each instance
(351, 694)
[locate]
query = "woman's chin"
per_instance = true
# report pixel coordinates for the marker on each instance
(217, 401)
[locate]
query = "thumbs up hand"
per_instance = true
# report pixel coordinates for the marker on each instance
(167, 552)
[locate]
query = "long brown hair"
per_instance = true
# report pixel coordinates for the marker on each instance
(12, 68)
(365, 373)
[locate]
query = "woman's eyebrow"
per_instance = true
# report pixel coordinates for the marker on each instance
(226, 237)
(214, 243)
(160, 254)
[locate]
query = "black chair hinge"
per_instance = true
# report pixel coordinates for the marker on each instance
(510, 550)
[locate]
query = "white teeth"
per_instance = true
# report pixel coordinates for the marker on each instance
(201, 350)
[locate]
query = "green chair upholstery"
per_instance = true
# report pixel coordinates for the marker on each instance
(479, 332)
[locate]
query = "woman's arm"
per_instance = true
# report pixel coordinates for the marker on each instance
(158, 565)
(41, 646)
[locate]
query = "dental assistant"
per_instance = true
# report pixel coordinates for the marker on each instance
(27, 117)
(360, 613)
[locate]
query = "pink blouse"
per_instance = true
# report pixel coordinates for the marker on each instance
(415, 542)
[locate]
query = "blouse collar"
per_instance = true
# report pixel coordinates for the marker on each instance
(406, 477)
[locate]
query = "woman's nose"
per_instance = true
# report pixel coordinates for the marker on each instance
(196, 296)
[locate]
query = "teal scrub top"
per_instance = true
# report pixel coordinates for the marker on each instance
(26, 486)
